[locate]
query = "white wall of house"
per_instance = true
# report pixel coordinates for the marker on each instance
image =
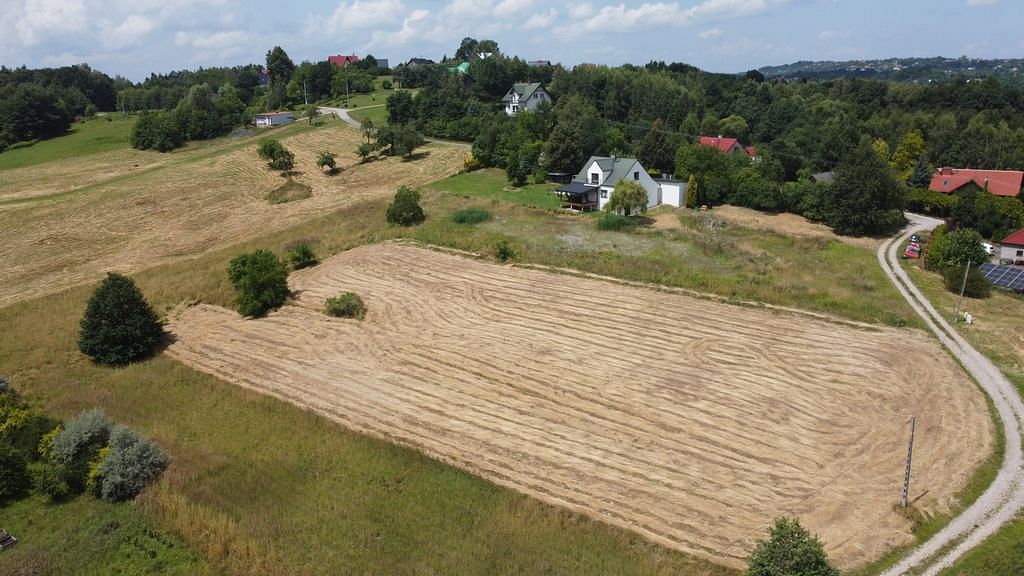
(516, 105)
(672, 193)
(635, 172)
(1010, 252)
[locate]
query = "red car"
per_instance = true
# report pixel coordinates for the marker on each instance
(912, 251)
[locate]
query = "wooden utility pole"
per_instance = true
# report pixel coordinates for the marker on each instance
(910, 457)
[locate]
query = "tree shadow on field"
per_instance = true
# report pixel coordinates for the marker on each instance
(416, 156)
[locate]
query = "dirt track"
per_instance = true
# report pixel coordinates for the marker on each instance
(120, 218)
(692, 422)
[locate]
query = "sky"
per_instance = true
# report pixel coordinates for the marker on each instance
(133, 38)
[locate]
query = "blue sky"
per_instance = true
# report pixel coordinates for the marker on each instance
(135, 37)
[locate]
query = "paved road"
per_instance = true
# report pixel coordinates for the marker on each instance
(1005, 497)
(343, 113)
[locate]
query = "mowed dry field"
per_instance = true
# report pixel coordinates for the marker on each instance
(692, 422)
(66, 223)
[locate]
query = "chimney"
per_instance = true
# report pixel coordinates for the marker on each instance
(946, 171)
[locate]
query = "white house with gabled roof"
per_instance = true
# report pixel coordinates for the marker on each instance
(593, 185)
(524, 96)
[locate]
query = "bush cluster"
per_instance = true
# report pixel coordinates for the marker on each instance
(471, 216)
(118, 325)
(615, 222)
(503, 250)
(277, 156)
(346, 305)
(261, 280)
(302, 256)
(88, 454)
(977, 286)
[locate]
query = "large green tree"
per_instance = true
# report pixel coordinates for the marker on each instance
(261, 280)
(656, 150)
(400, 107)
(865, 197)
(789, 551)
(118, 325)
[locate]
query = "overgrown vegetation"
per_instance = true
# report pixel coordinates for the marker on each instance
(276, 155)
(301, 256)
(118, 325)
(472, 215)
(345, 305)
(616, 222)
(790, 550)
(261, 281)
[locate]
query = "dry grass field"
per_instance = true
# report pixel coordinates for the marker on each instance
(66, 223)
(689, 421)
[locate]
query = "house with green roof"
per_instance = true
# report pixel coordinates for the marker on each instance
(593, 185)
(524, 96)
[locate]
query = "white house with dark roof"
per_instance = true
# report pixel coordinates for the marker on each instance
(593, 185)
(523, 96)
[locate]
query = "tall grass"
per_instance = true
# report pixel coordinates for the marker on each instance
(100, 134)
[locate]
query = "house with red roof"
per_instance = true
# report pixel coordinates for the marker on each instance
(998, 182)
(343, 61)
(1012, 247)
(727, 145)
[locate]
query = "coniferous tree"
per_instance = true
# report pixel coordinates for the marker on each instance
(118, 326)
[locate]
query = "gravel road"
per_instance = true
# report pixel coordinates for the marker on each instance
(1005, 497)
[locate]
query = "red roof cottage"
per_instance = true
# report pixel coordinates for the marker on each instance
(998, 182)
(1012, 247)
(727, 145)
(343, 61)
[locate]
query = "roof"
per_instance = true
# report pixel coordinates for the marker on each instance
(614, 169)
(726, 144)
(538, 63)
(419, 61)
(576, 188)
(274, 114)
(461, 68)
(1000, 182)
(1017, 238)
(523, 89)
(823, 177)
(343, 61)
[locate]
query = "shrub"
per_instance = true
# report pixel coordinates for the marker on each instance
(405, 210)
(791, 550)
(14, 479)
(960, 247)
(94, 471)
(22, 428)
(471, 164)
(4, 384)
(503, 250)
(78, 442)
(346, 305)
(471, 216)
(118, 325)
(132, 463)
(302, 256)
(977, 285)
(386, 84)
(615, 222)
(49, 480)
(277, 156)
(261, 281)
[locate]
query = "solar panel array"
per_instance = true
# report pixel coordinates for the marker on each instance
(1004, 276)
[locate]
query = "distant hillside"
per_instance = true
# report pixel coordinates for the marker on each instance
(904, 69)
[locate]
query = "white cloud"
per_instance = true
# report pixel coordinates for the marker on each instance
(833, 35)
(542, 20)
(46, 18)
(582, 10)
(133, 28)
(364, 14)
(414, 27)
(227, 40)
(981, 2)
(712, 33)
(512, 8)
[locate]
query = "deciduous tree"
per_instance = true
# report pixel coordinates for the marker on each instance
(789, 551)
(627, 197)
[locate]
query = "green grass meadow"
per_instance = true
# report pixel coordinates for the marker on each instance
(97, 134)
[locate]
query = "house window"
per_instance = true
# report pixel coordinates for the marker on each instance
(945, 183)
(593, 178)
(636, 175)
(1020, 252)
(515, 108)
(604, 194)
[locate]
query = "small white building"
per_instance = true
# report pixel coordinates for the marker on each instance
(1012, 248)
(524, 97)
(268, 119)
(593, 185)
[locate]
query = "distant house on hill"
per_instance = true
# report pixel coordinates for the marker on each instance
(419, 62)
(727, 145)
(382, 63)
(524, 97)
(1012, 247)
(268, 119)
(592, 187)
(535, 63)
(342, 61)
(264, 76)
(998, 182)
